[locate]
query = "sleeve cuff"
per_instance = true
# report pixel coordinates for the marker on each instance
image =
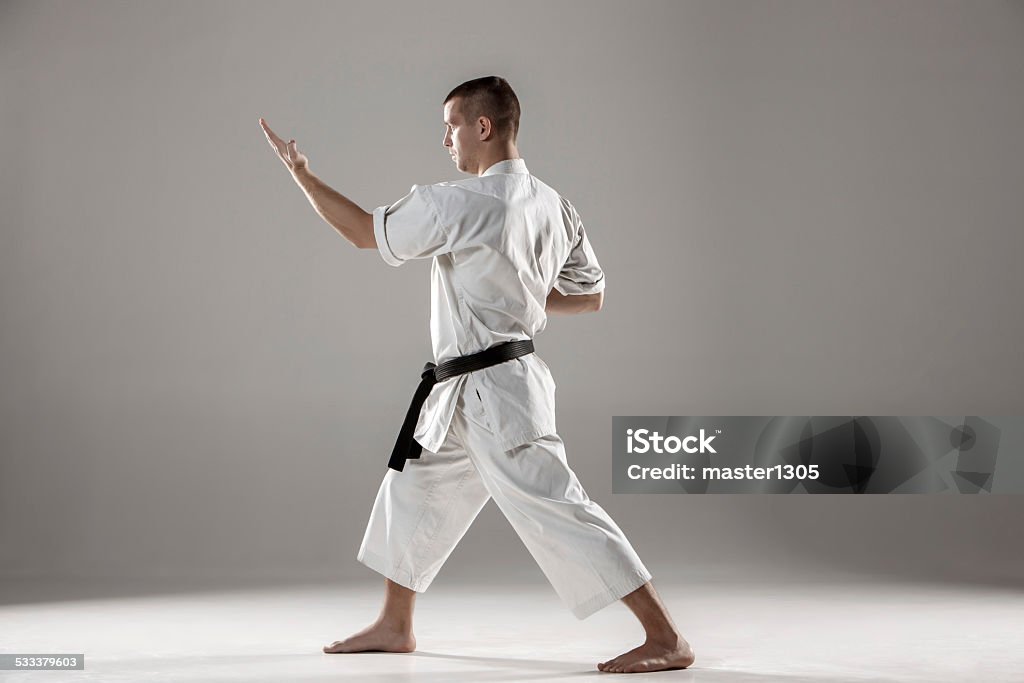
(569, 287)
(382, 241)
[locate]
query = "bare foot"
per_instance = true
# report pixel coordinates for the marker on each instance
(377, 637)
(651, 657)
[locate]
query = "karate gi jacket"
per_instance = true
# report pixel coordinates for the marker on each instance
(499, 243)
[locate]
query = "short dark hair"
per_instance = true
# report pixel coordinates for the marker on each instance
(493, 97)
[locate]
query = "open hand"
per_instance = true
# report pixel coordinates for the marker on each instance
(287, 152)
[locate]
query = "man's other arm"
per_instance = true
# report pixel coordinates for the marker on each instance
(576, 303)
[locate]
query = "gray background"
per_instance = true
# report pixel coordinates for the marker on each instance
(805, 208)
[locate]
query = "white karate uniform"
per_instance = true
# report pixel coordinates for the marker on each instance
(499, 243)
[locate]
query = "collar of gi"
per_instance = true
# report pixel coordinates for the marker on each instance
(506, 166)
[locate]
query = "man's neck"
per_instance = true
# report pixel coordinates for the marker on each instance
(502, 153)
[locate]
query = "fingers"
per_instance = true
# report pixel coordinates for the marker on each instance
(276, 142)
(287, 151)
(266, 130)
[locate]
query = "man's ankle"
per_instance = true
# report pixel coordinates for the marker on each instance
(667, 638)
(395, 624)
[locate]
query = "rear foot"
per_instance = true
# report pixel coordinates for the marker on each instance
(377, 637)
(651, 657)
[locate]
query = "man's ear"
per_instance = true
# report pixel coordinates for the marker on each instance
(484, 128)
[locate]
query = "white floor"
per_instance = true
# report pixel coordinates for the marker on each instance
(742, 633)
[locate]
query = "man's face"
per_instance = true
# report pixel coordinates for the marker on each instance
(459, 137)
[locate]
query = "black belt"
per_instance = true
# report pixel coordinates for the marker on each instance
(406, 446)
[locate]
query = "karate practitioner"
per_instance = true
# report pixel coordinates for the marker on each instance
(506, 251)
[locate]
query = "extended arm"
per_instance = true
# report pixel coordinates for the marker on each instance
(339, 211)
(577, 303)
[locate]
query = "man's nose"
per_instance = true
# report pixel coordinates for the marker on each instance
(447, 142)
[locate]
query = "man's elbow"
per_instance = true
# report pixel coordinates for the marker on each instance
(367, 240)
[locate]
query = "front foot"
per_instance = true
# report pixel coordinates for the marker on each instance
(651, 657)
(376, 637)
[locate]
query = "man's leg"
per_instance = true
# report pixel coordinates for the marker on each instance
(577, 545)
(419, 516)
(664, 648)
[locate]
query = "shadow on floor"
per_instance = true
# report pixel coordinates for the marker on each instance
(393, 668)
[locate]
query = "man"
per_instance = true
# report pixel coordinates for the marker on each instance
(506, 250)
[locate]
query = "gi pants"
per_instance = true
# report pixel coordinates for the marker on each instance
(421, 514)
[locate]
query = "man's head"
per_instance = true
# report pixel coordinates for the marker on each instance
(481, 119)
